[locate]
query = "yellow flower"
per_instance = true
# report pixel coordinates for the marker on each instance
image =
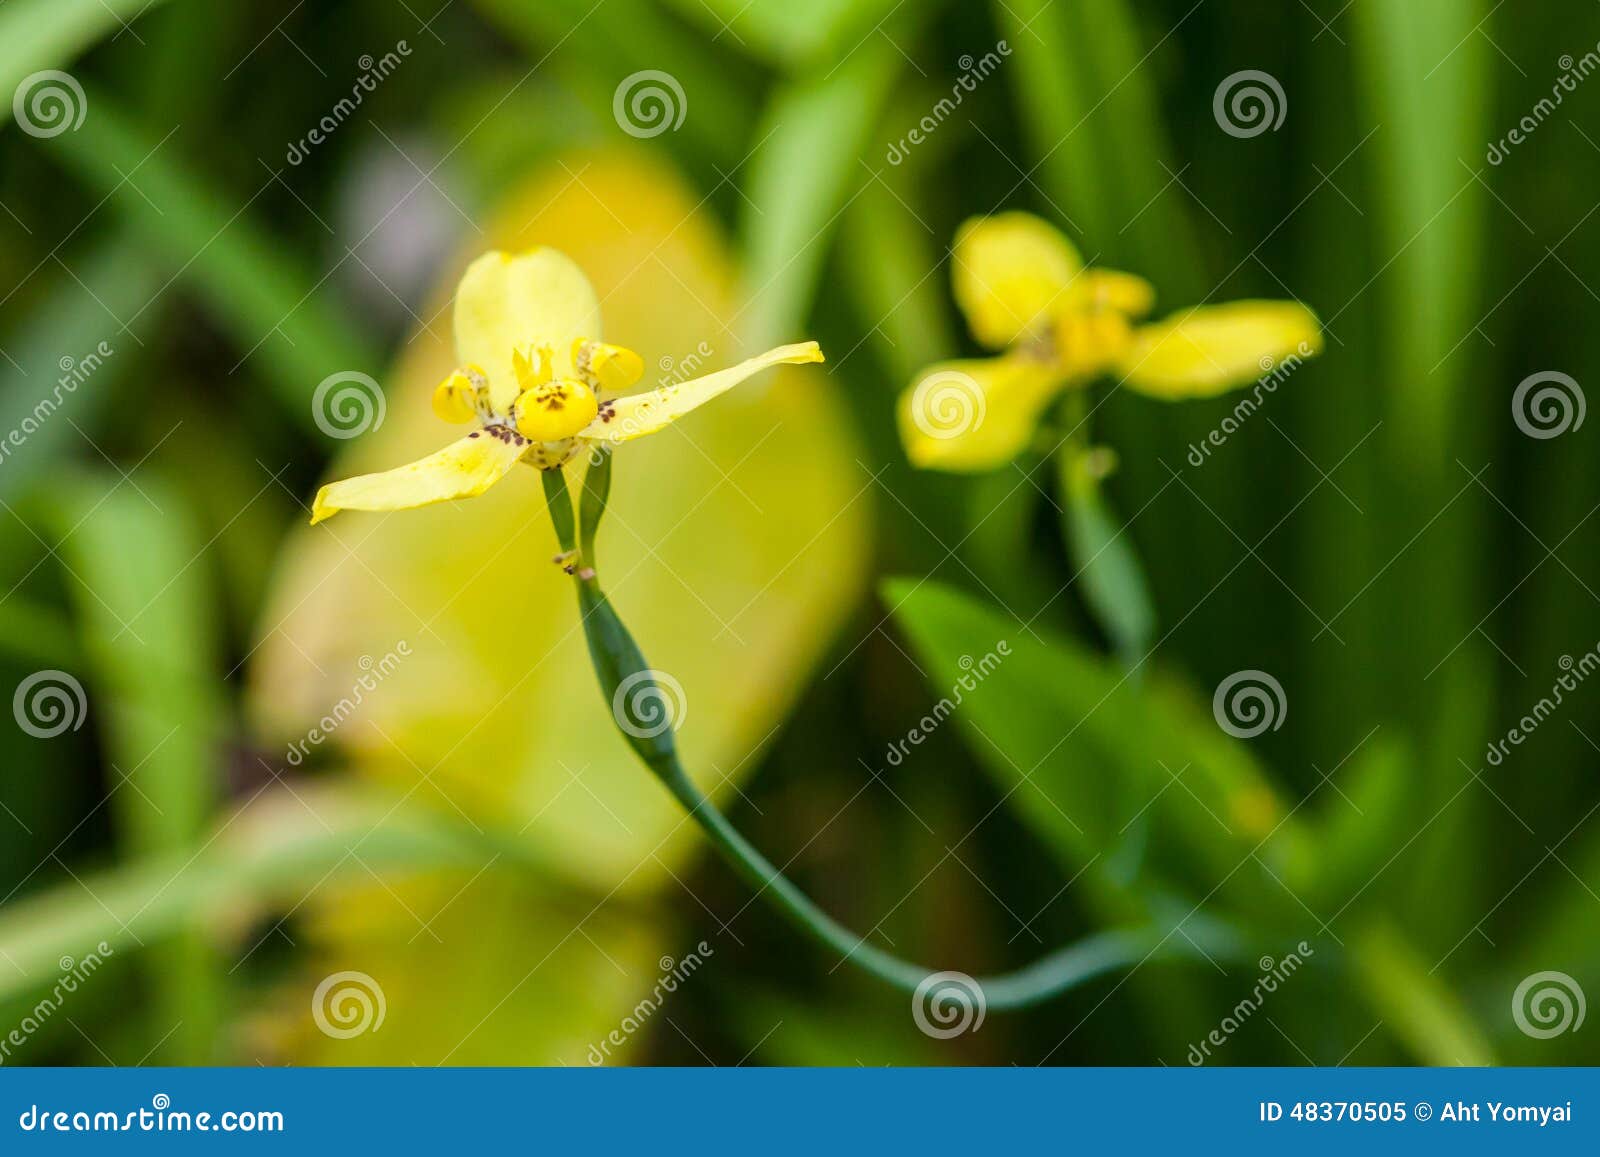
(539, 384)
(1026, 291)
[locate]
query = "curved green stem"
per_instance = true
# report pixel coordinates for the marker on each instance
(629, 683)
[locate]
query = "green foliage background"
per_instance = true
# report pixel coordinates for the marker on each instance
(1382, 537)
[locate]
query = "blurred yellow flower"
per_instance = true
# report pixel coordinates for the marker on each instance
(535, 379)
(1026, 291)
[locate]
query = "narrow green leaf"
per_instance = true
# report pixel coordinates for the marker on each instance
(813, 134)
(252, 285)
(40, 34)
(1083, 754)
(72, 351)
(274, 851)
(154, 675)
(604, 49)
(1107, 564)
(1415, 1001)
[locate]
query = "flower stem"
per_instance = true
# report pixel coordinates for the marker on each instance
(626, 679)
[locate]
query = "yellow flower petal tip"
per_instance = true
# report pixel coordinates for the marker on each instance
(1212, 349)
(532, 374)
(603, 367)
(455, 399)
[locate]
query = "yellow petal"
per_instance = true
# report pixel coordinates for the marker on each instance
(555, 410)
(637, 414)
(605, 367)
(1212, 349)
(463, 469)
(453, 400)
(533, 366)
(1126, 293)
(506, 303)
(1009, 272)
(975, 415)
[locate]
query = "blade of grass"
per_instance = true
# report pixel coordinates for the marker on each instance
(811, 139)
(39, 34)
(277, 848)
(790, 35)
(1428, 76)
(48, 396)
(150, 638)
(254, 287)
(600, 47)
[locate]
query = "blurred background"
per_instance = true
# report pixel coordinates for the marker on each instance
(348, 795)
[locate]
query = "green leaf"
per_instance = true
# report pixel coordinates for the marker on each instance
(812, 34)
(39, 34)
(813, 135)
(1084, 755)
(1414, 1000)
(1108, 567)
(71, 354)
(153, 660)
(280, 846)
(603, 48)
(252, 285)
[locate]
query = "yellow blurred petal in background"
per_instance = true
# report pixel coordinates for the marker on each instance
(736, 546)
(1009, 272)
(977, 414)
(1212, 349)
